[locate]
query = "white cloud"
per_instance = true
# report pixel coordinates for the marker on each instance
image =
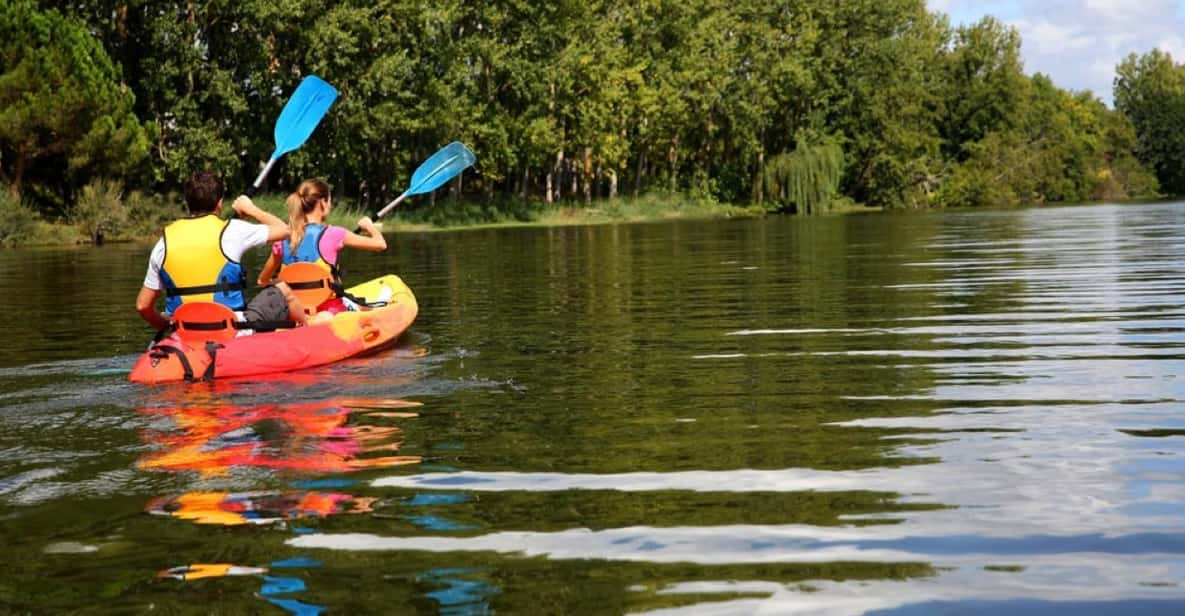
(1078, 43)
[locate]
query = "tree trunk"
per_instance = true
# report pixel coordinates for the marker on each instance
(612, 184)
(526, 179)
(673, 159)
(759, 180)
(18, 174)
(191, 19)
(639, 172)
(587, 175)
(572, 170)
(556, 170)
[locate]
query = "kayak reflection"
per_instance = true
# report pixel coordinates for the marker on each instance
(233, 509)
(335, 436)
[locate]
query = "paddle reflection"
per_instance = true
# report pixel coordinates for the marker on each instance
(336, 436)
(273, 586)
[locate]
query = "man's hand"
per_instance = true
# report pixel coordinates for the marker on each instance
(276, 229)
(243, 206)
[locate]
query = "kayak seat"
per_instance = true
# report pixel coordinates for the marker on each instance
(310, 283)
(204, 321)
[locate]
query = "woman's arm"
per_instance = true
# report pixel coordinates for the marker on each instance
(373, 240)
(269, 270)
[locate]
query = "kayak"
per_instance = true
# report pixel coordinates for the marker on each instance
(192, 357)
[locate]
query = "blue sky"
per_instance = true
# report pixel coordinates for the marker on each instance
(1079, 42)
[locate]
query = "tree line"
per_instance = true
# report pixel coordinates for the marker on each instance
(792, 105)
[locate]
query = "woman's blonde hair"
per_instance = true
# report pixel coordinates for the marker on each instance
(300, 204)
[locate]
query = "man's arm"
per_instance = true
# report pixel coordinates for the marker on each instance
(276, 228)
(146, 306)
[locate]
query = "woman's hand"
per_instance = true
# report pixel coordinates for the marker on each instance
(366, 224)
(373, 240)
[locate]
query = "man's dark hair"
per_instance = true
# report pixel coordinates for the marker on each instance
(203, 191)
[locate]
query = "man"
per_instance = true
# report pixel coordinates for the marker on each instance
(198, 259)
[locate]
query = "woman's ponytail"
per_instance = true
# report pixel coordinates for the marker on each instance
(296, 219)
(300, 204)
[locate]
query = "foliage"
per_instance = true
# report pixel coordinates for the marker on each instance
(17, 220)
(573, 102)
(806, 179)
(99, 211)
(983, 85)
(148, 213)
(1150, 91)
(61, 101)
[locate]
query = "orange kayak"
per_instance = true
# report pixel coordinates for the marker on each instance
(345, 335)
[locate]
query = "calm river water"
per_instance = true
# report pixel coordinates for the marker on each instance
(979, 412)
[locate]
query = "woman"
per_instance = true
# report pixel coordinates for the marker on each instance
(312, 241)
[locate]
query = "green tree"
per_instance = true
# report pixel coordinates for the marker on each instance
(984, 83)
(1150, 91)
(62, 104)
(569, 99)
(878, 71)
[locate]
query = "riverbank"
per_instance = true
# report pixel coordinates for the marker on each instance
(450, 215)
(140, 219)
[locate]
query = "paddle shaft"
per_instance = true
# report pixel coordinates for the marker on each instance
(390, 206)
(386, 208)
(254, 187)
(441, 167)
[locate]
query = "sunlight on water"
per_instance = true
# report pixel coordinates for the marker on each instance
(974, 411)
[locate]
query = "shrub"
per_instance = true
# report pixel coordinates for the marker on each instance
(148, 214)
(18, 222)
(99, 211)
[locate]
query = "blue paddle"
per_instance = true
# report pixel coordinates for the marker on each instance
(438, 169)
(304, 110)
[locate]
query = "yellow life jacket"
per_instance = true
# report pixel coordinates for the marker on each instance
(196, 269)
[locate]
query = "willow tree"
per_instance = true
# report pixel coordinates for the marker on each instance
(806, 179)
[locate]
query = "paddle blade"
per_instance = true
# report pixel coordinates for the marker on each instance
(304, 111)
(440, 168)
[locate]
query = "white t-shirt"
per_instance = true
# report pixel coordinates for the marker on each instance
(239, 237)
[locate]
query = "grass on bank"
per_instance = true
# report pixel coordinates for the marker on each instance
(105, 212)
(421, 214)
(458, 214)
